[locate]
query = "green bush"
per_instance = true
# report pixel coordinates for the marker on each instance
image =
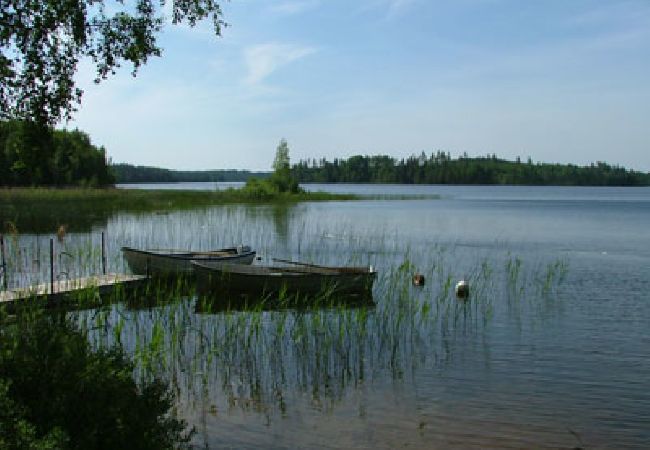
(284, 182)
(17, 433)
(256, 189)
(56, 392)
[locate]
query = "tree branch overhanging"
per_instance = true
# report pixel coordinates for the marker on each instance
(42, 42)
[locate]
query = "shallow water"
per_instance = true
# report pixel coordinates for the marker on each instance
(544, 356)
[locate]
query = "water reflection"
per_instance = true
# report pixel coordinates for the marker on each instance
(44, 217)
(281, 215)
(217, 303)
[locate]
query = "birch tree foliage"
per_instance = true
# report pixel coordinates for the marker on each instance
(43, 41)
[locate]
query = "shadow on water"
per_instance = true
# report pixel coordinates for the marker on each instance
(45, 217)
(39, 216)
(214, 304)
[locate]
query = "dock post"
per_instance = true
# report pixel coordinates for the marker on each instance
(4, 262)
(51, 266)
(103, 254)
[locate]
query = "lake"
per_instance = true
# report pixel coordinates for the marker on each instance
(552, 349)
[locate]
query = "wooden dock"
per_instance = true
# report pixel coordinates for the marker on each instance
(53, 293)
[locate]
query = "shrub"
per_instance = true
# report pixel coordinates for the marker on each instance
(56, 392)
(256, 189)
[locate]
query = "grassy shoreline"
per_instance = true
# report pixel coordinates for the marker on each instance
(169, 199)
(156, 199)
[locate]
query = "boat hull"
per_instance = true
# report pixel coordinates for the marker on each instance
(161, 263)
(282, 285)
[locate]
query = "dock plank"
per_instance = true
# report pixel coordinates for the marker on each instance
(105, 284)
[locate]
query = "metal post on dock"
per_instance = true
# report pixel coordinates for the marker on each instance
(4, 262)
(51, 266)
(103, 254)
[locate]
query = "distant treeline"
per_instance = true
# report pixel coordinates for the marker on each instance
(126, 173)
(36, 155)
(440, 168)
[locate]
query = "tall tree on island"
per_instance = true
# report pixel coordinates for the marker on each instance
(282, 178)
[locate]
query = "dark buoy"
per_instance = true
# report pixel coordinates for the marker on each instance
(418, 279)
(462, 289)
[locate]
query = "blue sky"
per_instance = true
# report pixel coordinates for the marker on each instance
(557, 81)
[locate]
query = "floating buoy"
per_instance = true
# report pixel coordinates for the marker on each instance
(418, 279)
(462, 289)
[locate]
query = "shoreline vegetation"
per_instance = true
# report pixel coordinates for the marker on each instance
(33, 154)
(157, 199)
(128, 173)
(441, 168)
(437, 168)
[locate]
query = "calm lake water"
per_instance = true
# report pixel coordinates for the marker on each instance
(551, 351)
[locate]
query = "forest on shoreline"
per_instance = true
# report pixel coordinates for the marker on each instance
(38, 155)
(441, 168)
(34, 155)
(127, 173)
(437, 168)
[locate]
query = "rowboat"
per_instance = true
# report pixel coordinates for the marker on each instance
(268, 282)
(179, 262)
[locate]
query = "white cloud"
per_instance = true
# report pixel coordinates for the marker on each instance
(264, 59)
